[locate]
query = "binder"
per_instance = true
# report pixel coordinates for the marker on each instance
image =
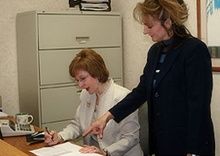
(91, 5)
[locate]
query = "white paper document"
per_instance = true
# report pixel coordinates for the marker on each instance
(64, 149)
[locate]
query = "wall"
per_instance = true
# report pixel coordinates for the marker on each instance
(134, 42)
(216, 110)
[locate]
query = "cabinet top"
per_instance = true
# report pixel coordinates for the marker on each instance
(72, 12)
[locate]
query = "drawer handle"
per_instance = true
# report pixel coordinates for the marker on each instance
(82, 39)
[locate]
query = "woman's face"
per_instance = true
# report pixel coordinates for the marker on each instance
(154, 29)
(86, 81)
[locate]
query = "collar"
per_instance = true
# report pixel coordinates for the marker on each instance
(168, 42)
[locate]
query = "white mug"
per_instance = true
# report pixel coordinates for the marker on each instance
(24, 118)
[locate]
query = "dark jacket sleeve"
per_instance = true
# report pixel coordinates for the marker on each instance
(199, 91)
(138, 95)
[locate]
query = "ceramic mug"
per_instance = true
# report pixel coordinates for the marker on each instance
(24, 118)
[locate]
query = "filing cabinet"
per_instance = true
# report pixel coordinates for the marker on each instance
(46, 44)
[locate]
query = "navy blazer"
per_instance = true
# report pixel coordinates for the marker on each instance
(179, 116)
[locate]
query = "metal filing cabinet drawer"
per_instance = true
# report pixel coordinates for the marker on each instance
(76, 31)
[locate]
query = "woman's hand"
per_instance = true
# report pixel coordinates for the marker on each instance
(91, 149)
(52, 138)
(98, 126)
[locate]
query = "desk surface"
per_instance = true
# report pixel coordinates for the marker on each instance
(17, 145)
(20, 143)
(9, 150)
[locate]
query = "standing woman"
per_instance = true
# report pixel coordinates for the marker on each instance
(176, 82)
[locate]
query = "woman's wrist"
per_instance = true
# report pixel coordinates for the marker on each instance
(60, 139)
(109, 116)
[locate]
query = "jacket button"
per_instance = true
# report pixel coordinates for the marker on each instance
(156, 94)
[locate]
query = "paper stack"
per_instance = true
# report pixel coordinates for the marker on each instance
(95, 5)
(64, 149)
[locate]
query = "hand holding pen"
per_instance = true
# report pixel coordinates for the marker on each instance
(51, 137)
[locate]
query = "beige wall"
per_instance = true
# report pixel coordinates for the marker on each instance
(135, 48)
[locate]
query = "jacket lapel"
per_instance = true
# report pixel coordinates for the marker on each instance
(170, 58)
(169, 62)
(154, 65)
(90, 108)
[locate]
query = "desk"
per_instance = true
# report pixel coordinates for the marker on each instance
(20, 143)
(9, 150)
(17, 145)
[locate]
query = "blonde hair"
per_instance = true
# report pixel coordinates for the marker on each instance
(90, 61)
(176, 10)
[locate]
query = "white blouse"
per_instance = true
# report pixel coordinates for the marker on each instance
(119, 139)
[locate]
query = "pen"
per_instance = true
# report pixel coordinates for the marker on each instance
(47, 130)
(49, 133)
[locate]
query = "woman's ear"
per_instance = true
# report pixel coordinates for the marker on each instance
(168, 23)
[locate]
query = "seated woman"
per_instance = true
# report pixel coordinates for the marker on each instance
(99, 94)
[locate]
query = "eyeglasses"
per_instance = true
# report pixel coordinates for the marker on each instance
(82, 78)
